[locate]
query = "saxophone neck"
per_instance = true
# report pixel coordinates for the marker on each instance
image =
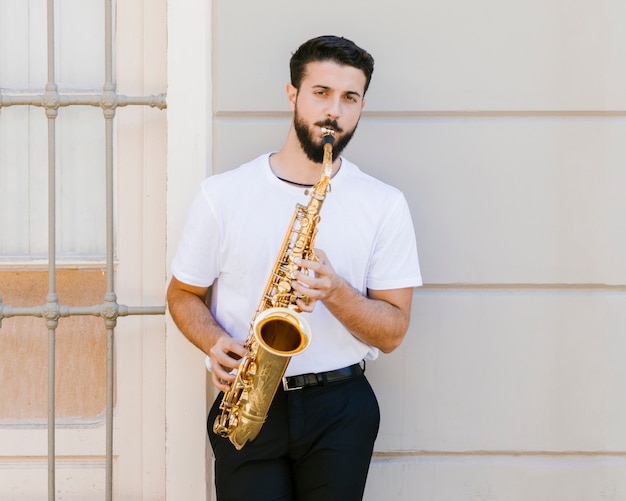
(328, 139)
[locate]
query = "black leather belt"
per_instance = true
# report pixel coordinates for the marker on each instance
(305, 380)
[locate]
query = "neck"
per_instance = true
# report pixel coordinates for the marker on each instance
(290, 164)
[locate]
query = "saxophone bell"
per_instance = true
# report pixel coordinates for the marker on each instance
(282, 331)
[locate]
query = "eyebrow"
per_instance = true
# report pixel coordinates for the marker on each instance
(348, 92)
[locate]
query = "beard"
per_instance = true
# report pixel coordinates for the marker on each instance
(311, 143)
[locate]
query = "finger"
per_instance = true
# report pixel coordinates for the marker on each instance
(225, 356)
(223, 376)
(321, 255)
(234, 346)
(306, 306)
(307, 287)
(219, 383)
(228, 350)
(302, 281)
(308, 264)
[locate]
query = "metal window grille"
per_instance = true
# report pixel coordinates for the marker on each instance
(50, 99)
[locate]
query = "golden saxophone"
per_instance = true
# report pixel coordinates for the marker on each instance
(277, 331)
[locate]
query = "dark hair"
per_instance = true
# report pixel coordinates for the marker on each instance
(330, 48)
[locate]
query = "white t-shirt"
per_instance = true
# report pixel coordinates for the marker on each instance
(236, 226)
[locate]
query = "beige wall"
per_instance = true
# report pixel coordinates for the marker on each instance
(504, 123)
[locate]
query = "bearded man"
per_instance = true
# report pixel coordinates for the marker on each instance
(317, 441)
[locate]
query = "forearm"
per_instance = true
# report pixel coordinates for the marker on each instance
(371, 318)
(193, 318)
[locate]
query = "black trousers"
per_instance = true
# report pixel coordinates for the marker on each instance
(316, 445)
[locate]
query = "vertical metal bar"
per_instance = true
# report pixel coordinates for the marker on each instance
(109, 416)
(52, 296)
(110, 322)
(51, 62)
(109, 114)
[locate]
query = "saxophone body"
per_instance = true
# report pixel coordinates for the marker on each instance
(277, 331)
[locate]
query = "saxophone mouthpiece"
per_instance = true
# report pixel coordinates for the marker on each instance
(328, 136)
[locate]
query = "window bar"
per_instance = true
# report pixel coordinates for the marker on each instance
(110, 296)
(51, 100)
(52, 302)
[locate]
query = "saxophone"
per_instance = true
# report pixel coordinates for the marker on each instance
(277, 331)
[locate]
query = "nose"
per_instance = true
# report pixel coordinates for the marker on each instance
(333, 109)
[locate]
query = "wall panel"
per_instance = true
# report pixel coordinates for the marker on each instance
(508, 199)
(495, 478)
(504, 123)
(494, 200)
(444, 55)
(506, 370)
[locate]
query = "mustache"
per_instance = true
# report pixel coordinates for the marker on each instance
(330, 124)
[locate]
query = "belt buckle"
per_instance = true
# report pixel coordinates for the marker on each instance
(286, 386)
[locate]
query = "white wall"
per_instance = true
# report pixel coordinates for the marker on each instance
(188, 150)
(504, 123)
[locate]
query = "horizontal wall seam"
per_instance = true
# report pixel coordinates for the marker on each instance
(522, 287)
(37, 462)
(496, 453)
(27, 264)
(409, 114)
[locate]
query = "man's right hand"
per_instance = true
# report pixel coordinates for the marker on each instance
(225, 355)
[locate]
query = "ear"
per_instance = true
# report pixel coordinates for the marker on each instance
(292, 94)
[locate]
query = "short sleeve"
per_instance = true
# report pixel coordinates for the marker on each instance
(394, 262)
(197, 258)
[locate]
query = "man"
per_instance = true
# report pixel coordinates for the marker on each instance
(317, 441)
